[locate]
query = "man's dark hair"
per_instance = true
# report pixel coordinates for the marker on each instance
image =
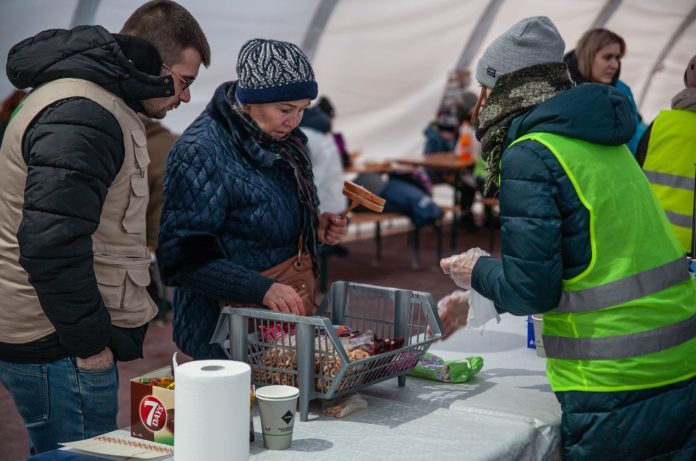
(170, 28)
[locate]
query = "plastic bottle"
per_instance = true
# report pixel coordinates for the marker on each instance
(465, 143)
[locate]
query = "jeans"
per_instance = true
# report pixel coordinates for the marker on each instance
(60, 402)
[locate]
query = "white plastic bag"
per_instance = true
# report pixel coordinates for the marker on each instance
(481, 310)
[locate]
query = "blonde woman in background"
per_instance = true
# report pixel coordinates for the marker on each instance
(597, 59)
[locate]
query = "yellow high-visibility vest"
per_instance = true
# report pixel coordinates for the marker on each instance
(669, 166)
(628, 321)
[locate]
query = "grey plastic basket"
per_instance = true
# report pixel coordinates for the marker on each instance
(307, 353)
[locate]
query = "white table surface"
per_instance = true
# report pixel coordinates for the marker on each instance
(506, 412)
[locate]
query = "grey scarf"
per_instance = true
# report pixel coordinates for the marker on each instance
(514, 94)
(685, 100)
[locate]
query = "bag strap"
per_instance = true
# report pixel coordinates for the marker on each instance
(298, 262)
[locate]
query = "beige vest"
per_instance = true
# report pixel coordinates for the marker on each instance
(120, 256)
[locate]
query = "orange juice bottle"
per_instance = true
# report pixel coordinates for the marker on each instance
(463, 149)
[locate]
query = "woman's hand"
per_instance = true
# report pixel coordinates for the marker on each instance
(332, 228)
(283, 298)
(453, 310)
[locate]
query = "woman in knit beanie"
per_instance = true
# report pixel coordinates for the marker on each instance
(240, 207)
(585, 242)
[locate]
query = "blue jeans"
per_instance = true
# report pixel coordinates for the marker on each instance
(60, 402)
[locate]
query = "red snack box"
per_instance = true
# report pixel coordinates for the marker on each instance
(152, 408)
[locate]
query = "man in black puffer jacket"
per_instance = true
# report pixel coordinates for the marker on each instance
(73, 176)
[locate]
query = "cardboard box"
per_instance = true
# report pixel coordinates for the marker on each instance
(152, 408)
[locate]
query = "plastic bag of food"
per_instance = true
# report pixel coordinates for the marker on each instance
(435, 368)
(344, 407)
(364, 341)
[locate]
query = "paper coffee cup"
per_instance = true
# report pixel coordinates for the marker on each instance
(277, 406)
(538, 320)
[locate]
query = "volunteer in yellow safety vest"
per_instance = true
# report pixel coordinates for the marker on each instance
(584, 241)
(667, 153)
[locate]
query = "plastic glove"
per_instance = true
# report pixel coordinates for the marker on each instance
(460, 267)
(453, 310)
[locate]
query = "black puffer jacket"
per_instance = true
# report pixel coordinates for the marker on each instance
(74, 150)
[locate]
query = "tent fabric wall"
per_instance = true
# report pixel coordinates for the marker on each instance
(385, 63)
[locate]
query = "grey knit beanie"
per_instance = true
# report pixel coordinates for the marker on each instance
(531, 41)
(272, 71)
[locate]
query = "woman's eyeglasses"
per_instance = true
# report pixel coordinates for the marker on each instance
(184, 81)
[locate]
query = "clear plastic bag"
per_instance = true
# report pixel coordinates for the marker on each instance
(344, 407)
(481, 310)
(363, 341)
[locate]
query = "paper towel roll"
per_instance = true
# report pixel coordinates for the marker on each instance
(211, 404)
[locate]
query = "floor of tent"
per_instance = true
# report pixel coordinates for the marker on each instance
(360, 265)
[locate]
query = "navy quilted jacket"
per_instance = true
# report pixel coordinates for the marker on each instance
(231, 210)
(545, 228)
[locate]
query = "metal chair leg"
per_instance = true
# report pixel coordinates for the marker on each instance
(437, 226)
(378, 240)
(415, 247)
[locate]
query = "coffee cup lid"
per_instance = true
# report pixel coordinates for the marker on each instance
(277, 392)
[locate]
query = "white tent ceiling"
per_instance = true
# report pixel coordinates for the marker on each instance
(384, 63)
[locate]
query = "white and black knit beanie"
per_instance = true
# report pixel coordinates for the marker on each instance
(272, 71)
(531, 41)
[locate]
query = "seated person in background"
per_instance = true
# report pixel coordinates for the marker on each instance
(327, 108)
(408, 194)
(468, 149)
(667, 154)
(441, 136)
(326, 166)
(407, 197)
(326, 160)
(449, 133)
(441, 133)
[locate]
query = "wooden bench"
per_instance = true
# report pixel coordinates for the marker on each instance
(454, 230)
(369, 217)
(356, 219)
(413, 233)
(365, 217)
